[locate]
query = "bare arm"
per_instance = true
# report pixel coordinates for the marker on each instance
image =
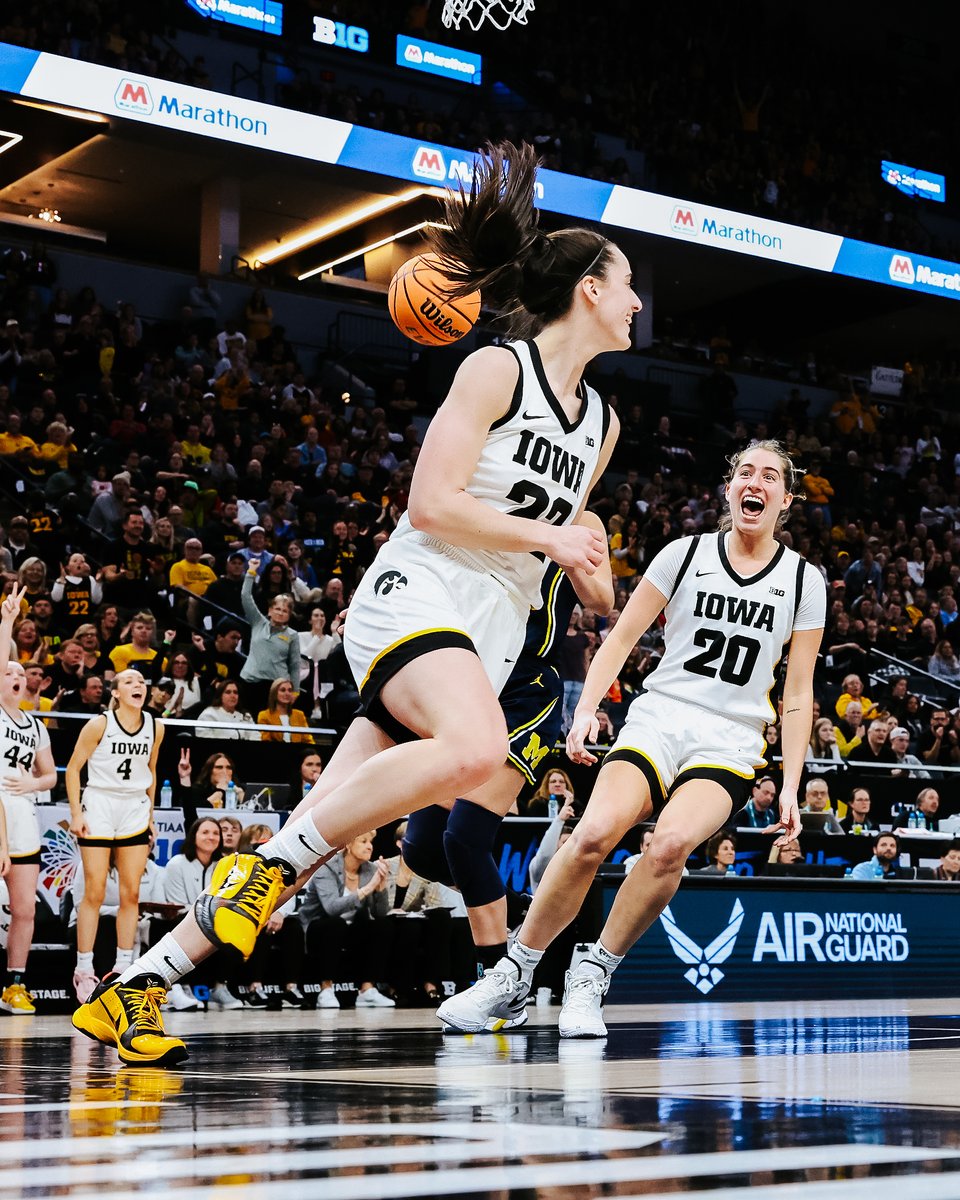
(643, 608)
(44, 770)
(154, 754)
(87, 742)
(439, 502)
(9, 611)
(796, 726)
(594, 591)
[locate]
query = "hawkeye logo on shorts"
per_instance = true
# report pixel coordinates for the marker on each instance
(703, 974)
(390, 581)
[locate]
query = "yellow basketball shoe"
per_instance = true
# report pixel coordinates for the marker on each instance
(242, 894)
(127, 1015)
(17, 1001)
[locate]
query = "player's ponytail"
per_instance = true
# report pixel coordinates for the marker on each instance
(492, 243)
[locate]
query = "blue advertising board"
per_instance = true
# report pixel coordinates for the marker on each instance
(434, 59)
(913, 182)
(265, 16)
(735, 939)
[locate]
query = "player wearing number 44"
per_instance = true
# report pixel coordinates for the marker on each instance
(27, 767)
(113, 817)
(735, 602)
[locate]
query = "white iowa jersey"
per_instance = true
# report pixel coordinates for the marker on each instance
(121, 760)
(535, 463)
(20, 740)
(725, 634)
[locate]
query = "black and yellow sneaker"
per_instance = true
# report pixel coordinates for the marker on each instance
(127, 1015)
(242, 894)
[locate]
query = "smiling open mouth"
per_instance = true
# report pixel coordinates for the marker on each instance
(752, 504)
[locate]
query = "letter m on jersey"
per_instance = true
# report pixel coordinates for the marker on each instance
(534, 752)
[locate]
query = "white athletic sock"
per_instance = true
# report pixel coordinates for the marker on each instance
(168, 959)
(124, 959)
(600, 955)
(85, 962)
(298, 844)
(524, 958)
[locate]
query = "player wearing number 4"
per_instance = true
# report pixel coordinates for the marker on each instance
(26, 768)
(111, 818)
(735, 602)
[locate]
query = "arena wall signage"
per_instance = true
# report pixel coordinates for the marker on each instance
(435, 59)
(264, 18)
(913, 182)
(759, 943)
(167, 105)
(328, 32)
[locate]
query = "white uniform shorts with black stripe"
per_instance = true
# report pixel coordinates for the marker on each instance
(416, 598)
(23, 831)
(672, 742)
(114, 818)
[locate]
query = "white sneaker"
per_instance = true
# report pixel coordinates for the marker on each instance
(84, 984)
(181, 999)
(221, 997)
(292, 996)
(581, 1015)
(494, 1003)
(371, 998)
(327, 999)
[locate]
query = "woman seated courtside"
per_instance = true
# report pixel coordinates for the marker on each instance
(280, 711)
(342, 915)
(187, 874)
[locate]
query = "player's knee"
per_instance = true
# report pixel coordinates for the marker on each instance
(668, 852)
(23, 908)
(422, 846)
(93, 893)
(129, 895)
(478, 761)
(592, 842)
(468, 846)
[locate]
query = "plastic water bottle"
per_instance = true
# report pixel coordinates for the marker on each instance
(914, 821)
(166, 795)
(553, 807)
(877, 871)
(231, 800)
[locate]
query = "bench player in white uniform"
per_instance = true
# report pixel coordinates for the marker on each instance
(735, 603)
(26, 768)
(113, 815)
(505, 470)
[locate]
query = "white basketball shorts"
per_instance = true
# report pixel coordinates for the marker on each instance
(23, 831)
(115, 818)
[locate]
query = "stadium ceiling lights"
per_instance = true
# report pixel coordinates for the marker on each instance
(385, 241)
(76, 114)
(319, 233)
(35, 220)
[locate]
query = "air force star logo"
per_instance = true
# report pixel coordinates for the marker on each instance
(703, 974)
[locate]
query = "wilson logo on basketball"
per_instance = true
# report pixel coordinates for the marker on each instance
(684, 220)
(429, 164)
(435, 315)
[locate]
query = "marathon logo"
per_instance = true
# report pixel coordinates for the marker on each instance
(684, 220)
(901, 269)
(134, 96)
(429, 164)
(838, 937)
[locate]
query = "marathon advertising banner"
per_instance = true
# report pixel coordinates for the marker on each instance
(164, 104)
(721, 943)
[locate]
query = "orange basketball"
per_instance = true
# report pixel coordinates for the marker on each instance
(420, 304)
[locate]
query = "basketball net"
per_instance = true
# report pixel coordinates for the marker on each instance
(500, 13)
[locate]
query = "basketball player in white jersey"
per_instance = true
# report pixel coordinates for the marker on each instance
(26, 768)
(112, 817)
(735, 602)
(504, 472)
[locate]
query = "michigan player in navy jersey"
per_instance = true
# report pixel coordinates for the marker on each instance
(735, 602)
(111, 818)
(26, 768)
(504, 473)
(453, 843)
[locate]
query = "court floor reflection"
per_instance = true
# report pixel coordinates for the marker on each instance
(842, 1098)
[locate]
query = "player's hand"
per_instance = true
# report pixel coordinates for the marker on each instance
(578, 548)
(10, 608)
(78, 826)
(585, 728)
(19, 785)
(789, 823)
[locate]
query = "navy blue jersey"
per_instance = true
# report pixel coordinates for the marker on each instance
(548, 624)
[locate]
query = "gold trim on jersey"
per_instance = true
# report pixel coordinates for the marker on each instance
(551, 613)
(646, 758)
(702, 766)
(403, 641)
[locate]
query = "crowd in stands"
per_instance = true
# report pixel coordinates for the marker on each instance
(187, 498)
(720, 106)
